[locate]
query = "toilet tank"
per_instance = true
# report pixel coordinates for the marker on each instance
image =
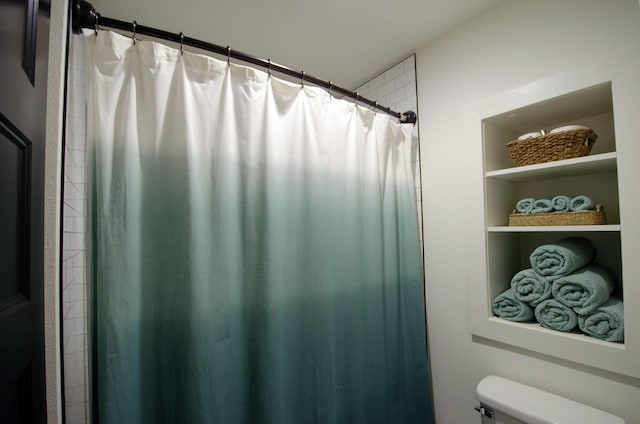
(504, 401)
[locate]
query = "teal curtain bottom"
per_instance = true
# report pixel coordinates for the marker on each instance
(254, 309)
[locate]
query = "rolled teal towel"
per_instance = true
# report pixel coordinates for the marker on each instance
(556, 316)
(561, 203)
(585, 289)
(606, 322)
(542, 206)
(506, 305)
(581, 203)
(525, 205)
(530, 287)
(561, 258)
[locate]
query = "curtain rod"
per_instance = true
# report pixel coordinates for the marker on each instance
(85, 16)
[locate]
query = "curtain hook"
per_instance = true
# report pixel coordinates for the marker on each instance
(181, 44)
(269, 69)
(375, 109)
(96, 27)
(330, 88)
(228, 55)
(302, 79)
(133, 37)
(357, 98)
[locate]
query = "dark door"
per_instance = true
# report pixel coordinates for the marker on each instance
(24, 39)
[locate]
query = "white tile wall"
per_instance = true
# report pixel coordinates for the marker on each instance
(396, 88)
(74, 305)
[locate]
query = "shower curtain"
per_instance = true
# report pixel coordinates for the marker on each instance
(254, 248)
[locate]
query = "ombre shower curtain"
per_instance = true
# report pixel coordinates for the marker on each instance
(254, 248)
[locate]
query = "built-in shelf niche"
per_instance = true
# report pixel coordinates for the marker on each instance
(603, 97)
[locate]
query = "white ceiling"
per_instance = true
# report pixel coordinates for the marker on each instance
(344, 41)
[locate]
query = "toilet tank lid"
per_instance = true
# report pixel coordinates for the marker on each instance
(536, 406)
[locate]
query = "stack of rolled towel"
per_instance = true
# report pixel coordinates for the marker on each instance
(564, 290)
(559, 203)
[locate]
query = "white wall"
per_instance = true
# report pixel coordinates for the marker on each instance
(513, 44)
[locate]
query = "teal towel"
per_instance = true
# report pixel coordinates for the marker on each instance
(542, 206)
(581, 203)
(530, 287)
(561, 258)
(556, 316)
(585, 289)
(525, 205)
(606, 322)
(506, 305)
(561, 203)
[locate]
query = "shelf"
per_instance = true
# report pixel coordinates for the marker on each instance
(562, 228)
(579, 337)
(603, 162)
(605, 97)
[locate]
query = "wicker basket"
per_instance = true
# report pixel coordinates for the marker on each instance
(596, 217)
(552, 147)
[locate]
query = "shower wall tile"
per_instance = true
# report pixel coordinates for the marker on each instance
(74, 308)
(406, 81)
(396, 96)
(385, 90)
(392, 74)
(74, 224)
(372, 85)
(75, 396)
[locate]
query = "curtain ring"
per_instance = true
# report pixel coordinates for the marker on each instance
(228, 55)
(133, 36)
(181, 44)
(96, 27)
(302, 79)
